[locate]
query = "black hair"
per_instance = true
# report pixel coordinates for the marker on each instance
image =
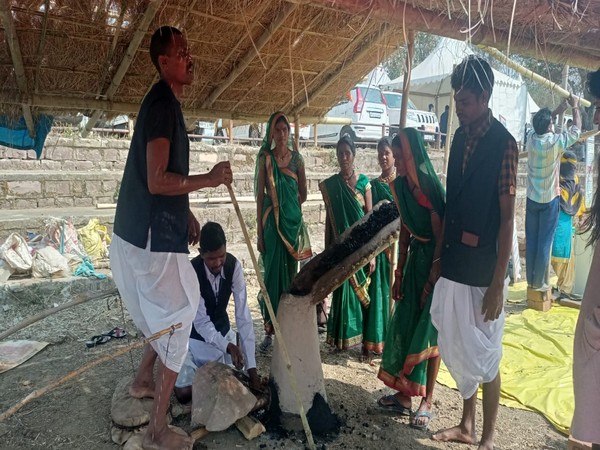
(475, 74)
(161, 42)
(396, 142)
(346, 139)
(283, 119)
(212, 237)
(593, 83)
(384, 141)
(447, 107)
(541, 121)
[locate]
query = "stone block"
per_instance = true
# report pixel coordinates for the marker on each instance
(46, 202)
(110, 154)
(59, 153)
(109, 186)
(25, 203)
(77, 186)
(69, 166)
(208, 158)
(104, 199)
(6, 203)
(24, 187)
(63, 202)
(122, 156)
(47, 164)
(61, 188)
(11, 153)
(84, 165)
(84, 201)
(93, 187)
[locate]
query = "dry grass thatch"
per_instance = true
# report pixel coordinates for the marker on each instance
(255, 56)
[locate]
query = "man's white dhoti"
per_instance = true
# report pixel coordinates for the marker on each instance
(199, 354)
(159, 290)
(470, 347)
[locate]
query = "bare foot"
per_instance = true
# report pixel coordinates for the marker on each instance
(365, 356)
(167, 439)
(141, 391)
(454, 434)
(486, 445)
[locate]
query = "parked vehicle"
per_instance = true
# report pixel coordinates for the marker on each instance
(365, 106)
(421, 120)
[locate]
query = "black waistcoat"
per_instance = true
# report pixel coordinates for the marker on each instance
(215, 308)
(472, 218)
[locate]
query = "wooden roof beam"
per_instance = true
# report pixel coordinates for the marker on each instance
(365, 47)
(15, 53)
(133, 47)
(250, 54)
(398, 13)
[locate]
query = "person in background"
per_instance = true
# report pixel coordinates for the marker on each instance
(411, 358)
(282, 237)
(430, 107)
(153, 228)
(444, 125)
(544, 149)
(572, 206)
(376, 316)
(220, 276)
(347, 197)
(586, 354)
(468, 302)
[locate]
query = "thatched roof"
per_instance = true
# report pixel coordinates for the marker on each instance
(254, 56)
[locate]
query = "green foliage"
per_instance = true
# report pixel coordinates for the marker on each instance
(425, 43)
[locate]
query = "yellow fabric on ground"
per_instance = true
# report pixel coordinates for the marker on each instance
(536, 366)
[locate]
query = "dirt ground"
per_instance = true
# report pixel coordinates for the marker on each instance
(77, 414)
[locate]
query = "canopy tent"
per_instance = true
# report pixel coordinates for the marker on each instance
(430, 83)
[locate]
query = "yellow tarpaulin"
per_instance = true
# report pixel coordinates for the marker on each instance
(536, 367)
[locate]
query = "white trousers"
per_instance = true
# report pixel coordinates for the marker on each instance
(470, 347)
(159, 290)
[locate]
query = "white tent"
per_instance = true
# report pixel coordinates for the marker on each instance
(430, 83)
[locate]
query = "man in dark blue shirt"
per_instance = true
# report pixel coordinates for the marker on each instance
(153, 227)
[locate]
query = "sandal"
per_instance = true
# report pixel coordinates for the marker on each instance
(395, 406)
(427, 414)
(97, 340)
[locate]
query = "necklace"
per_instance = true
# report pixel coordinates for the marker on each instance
(349, 177)
(389, 178)
(283, 156)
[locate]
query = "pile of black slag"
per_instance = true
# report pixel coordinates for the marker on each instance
(334, 255)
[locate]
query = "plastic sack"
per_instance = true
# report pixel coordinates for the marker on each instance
(15, 252)
(62, 235)
(48, 262)
(95, 239)
(5, 271)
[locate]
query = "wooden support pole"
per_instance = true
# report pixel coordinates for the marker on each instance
(277, 329)
(296, 132)
(561, 116)
(315, 137)
(230, 131)
(410, 50)
(532, 75)
(449, 135)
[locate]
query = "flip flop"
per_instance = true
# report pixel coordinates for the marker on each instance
(396, 406)
(116, 333)
(97, 340)
(418, 414)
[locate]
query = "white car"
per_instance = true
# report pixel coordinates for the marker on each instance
(421, 120)
(365, 107)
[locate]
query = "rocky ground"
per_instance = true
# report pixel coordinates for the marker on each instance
(77, 414)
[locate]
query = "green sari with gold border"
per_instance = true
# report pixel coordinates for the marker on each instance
(344, 207)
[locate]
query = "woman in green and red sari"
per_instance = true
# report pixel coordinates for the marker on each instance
(282, 238)
(411, 360)
(376, 316)
(347, 197)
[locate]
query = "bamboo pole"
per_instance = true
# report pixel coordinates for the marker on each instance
(561, 116)
(410, 47)
(81, 298)
(531, 74)
(107, 357)
(278, 333)
(296, 132)
(449, 134)
(393, 266)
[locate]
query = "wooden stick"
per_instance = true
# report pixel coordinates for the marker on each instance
(278, 334)
(532, 75)
(393, 266)
(109, 356)
(80, 298)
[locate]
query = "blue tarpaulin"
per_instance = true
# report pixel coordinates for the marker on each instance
(14, 133)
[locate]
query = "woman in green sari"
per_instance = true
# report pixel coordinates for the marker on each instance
(347, 197)
(411, 358)
(376, 316)
(282, 238)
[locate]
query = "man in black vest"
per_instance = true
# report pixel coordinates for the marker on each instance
(153, 227)
(468, 301)
(220, 275)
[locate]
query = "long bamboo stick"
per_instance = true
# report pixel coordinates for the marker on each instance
(56, 383)
(531, 74)
(278, 334)
(48, 312)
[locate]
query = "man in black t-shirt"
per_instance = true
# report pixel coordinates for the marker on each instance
(153, 227)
